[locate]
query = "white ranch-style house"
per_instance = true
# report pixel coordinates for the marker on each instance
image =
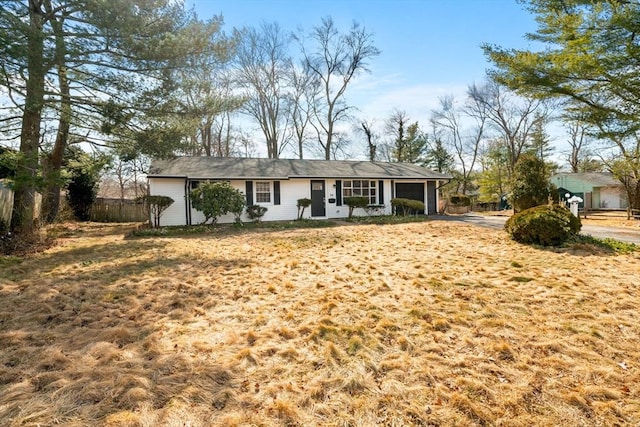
(277, 184)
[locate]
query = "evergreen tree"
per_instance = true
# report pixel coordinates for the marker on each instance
(115, 50)
(539, 142)
(437, 157)
(530, 186)
(590, 59)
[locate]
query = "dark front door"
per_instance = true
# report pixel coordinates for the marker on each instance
(432, 208)
(410, 190)
(317, 199)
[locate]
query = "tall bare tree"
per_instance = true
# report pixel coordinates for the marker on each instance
(304, 90)
(577, 140)
(263, 71)
(366, 128)
(335, 59)
(580, 139)
(396, 127)
(205, 97)
(510, 115)
(466, 141)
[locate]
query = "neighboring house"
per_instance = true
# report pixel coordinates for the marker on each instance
(278, 184)
(599, 190)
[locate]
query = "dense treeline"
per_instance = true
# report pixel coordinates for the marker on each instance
(133, 79)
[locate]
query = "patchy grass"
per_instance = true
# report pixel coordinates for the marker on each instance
(432, 323)
(388, 219)
(595, 245)
(225, 229)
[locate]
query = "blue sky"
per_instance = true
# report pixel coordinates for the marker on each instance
(430, 48)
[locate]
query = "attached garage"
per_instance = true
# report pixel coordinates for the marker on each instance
(410, 190)
(416, 191)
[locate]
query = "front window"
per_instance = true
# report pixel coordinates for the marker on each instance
(358, 187)
(263, 192)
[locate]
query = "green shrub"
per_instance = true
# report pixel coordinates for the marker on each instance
(460, 200)
(215, 199)
(356, 202)
(302, 204)
(407, 206)
(82, 191)
(547, 225)
(530, 186)
(256, 212)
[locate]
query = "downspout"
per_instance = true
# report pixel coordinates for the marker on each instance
(187, 202)
(393, 195)
(440, 186)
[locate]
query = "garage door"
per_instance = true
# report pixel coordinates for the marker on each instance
(410, 190)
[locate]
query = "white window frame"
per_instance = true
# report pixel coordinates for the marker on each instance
(370, 190)
(262, 192)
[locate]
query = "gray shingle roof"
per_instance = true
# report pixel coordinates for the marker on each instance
(245, 168)
(596, 179)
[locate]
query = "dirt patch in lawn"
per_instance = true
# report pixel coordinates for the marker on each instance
(433, 323)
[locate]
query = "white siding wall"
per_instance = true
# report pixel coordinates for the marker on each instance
(334, 211)
(290, 191)
(612, 198)
(388, 209)
(174, 188)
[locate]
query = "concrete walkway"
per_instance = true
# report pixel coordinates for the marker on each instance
(497, 222)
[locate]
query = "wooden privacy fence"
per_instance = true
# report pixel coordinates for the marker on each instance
(6, 205)
(118, 210)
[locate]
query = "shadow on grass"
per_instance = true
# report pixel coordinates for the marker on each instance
(265, 227)
(586, 245)
(82, 332)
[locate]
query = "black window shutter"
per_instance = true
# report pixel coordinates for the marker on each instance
(249, 192)
(276, 192)
(338, 193)
(381, 192)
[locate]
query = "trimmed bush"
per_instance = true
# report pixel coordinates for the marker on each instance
(407, 206)
(356, 202)
(256, 212)
(546, 225)
(215, 199)
(157, 205)
(460, 200)
(301, 205)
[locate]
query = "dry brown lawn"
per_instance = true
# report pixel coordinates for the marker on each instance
(616, 219)
(425, 324)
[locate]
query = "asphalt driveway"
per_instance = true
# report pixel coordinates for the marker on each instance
(497, 222)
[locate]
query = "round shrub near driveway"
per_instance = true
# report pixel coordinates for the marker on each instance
(547, 225)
